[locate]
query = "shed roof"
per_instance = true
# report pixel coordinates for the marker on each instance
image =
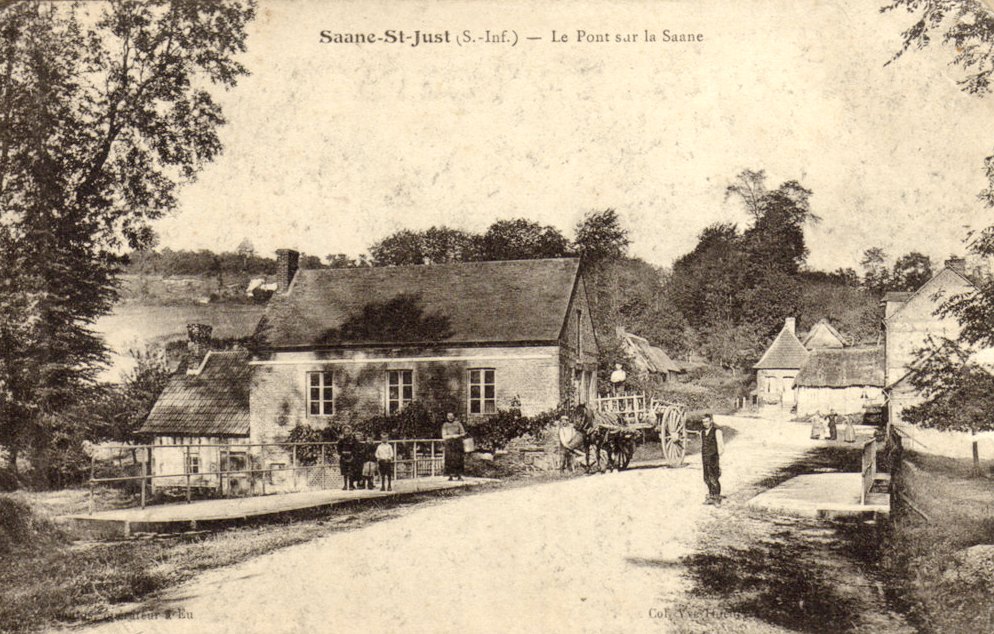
(212, 401)
(843, 367)
(897, 296)
(474, 302)
(785, 353)
(648, 357)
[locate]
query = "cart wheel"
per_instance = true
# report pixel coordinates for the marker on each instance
(673, 434)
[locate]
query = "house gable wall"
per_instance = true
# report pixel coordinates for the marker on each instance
(908, 328)
(776, 386)
(578, 350)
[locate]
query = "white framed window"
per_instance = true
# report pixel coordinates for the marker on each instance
(193, 464)
(320, 393)
(400, 389)
(482, 391)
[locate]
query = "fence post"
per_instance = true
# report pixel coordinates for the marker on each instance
(432, 459)
(187, 469)
(414, 458)
(92, 473)
(144, 474)
(293, 464)
(324, 469)
(976, 454)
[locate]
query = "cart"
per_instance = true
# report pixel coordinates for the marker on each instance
(622, 418)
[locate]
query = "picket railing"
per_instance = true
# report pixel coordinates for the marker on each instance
(301, 466)
(869, 468)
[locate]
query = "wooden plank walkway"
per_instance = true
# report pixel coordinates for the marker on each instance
(167, 518)
(825, 496)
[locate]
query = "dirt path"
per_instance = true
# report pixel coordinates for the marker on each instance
(597, 554)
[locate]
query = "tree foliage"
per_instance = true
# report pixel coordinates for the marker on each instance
(106, 109)
(735, 287)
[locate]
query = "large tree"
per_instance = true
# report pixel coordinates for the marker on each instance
(106, 109)
(955, 383)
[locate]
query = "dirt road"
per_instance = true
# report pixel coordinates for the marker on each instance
(597, 554)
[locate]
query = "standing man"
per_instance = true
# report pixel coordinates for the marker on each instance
(712, 446)
(618, 378)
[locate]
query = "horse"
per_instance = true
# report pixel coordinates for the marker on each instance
(585, 431)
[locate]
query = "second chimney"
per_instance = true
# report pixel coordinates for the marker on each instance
(790, 324)
(287, 261)
(956, 264)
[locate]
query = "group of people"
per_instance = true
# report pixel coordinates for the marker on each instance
(827, 427)
(361, 461)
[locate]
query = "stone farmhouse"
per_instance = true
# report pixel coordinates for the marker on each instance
(339, 345)
(909, 320)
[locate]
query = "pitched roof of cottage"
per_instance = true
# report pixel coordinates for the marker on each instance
(823, 335)
(843, 367)
(648, 357)
(212, 401)
(946, 275)
(474, 302)
(785, 353)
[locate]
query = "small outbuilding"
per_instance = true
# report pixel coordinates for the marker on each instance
(844, 380)
(779, 365)
(647, 358)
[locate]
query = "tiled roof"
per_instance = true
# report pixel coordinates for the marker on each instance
(212, 402)
(474, 302)
(648, 357)
(845, 367)
(785, 353)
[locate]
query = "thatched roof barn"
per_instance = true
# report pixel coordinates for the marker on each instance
(841, 379)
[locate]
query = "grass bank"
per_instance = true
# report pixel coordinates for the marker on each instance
(942, 568)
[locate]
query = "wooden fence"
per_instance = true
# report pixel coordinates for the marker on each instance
(869, 468)
(249, 469)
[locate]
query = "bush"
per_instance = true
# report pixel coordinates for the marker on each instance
(20, 527)
(495, 431)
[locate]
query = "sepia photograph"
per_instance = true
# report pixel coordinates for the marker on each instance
(467, 316)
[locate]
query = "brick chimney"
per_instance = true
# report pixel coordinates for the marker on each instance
(956, 264)
(790, 324)
(198, 342)
(287, 262)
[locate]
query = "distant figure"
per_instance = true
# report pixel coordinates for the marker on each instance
(618, 378)
(346, 456)
(850, 434)
(359, 459)
(833, 425)
(712, 446)
(569, 440)
(817, 426)
(384, 462)
(455, 456)
(369, 465)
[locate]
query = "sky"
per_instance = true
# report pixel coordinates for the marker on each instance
(330, 147)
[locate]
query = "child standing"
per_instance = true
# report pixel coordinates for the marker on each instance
(384, 462)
